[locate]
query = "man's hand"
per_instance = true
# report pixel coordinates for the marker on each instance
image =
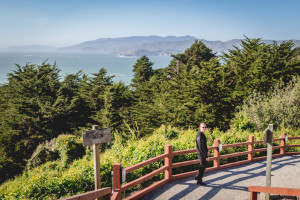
(208, 154)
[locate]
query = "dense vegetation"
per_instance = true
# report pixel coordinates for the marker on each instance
(55, 179)
(37, 106)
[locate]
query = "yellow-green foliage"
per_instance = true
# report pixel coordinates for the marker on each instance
(65, 147)
(280, 106)
(55, 179)
(70, 148)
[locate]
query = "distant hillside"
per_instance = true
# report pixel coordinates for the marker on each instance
(139, 46)
(151, 45)
(146, 45)
(134, 46)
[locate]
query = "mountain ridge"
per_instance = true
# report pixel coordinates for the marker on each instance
(152, 45)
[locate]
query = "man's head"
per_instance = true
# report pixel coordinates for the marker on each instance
(202, 127)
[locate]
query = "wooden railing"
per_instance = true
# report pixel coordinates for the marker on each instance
(104, 192)
(118, 188)
(273, 190)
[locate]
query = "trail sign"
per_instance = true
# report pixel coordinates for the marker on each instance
(268, 136)
(96, 136)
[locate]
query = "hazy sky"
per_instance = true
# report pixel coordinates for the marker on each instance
(67, 22)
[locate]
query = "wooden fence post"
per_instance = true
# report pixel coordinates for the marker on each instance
(251, 147)
(253, 195)
(168, 162)
(216, 154)
(268, 138)
(282, 143)
(116, 180)
(96, 150)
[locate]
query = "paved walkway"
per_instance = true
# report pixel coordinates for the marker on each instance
(232, 183)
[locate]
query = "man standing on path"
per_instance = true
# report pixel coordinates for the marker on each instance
(202, 152)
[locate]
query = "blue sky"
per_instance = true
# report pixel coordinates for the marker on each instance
(67, 22)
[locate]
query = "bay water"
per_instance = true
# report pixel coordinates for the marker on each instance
(71, 63)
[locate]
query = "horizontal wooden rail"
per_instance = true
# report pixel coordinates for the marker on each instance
(104, 192)
(185, 175)
(276, 147)
(292, 145)
(292, 153)
(235, 154)
(258, 141)
(294, 138)
(211, 148)
(181, 152)
(265, 149)
(277, 139)
(144, 163)
(273, 190)
(176, 153)
(211, 159)
(143, 178)
(235, 145)
(180, 164)
(191, 162)
(259, 150)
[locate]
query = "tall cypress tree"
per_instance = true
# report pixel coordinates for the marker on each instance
(29, 115)
(258, 66)
(142, 71)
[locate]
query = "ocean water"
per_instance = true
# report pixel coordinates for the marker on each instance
(71, 63)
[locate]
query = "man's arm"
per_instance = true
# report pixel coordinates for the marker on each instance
(200, 147)
(204, 146)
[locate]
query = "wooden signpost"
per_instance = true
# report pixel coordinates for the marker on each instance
(95, 137)
(268, 139)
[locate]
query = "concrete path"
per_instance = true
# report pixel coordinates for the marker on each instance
(232, 183)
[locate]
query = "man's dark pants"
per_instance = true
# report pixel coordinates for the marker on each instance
(201, 170)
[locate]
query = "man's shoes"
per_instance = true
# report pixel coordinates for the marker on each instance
(201, 183)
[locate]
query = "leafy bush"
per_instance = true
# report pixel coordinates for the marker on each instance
(70, 148)
(44, 152)
(169, 133)
(280, 107)
(241, 123)
(66, 147)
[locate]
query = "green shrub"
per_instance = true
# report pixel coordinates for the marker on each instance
(67, 148)
(70, 148)
(280, 107)
(44, 152)
(169, 132)
(241, 123)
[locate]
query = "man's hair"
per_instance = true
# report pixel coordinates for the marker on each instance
(201, 123)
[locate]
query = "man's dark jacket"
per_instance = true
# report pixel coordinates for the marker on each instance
(201, 147)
